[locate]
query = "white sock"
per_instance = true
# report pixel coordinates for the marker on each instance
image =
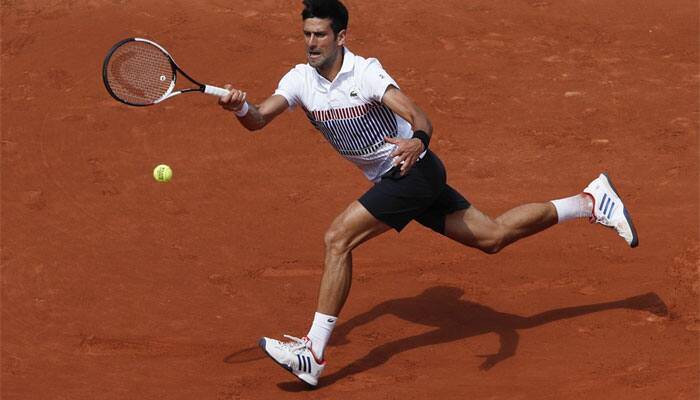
(579, 206)
(320, 332)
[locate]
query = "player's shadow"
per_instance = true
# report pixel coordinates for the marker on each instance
(453, 318)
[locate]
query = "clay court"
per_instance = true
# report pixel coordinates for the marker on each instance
(115, 286)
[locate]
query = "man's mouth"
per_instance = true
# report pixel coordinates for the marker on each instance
(314, 53)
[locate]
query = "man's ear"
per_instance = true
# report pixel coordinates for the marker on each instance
(340, 38)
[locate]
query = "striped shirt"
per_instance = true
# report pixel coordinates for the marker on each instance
(348, 111)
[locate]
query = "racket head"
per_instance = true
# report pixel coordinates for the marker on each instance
(139, 72)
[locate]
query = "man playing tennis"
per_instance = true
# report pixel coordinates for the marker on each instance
(364, 115)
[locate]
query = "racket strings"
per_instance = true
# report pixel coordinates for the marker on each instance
(140, 73)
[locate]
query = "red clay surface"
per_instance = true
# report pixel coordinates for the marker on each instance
(116, 287)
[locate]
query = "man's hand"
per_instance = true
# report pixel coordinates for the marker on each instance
(406, 152)
(234, 100)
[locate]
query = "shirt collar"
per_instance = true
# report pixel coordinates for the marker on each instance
(348, 61)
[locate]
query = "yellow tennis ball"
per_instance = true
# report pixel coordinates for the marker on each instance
(163, 173)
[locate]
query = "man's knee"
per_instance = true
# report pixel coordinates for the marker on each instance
(336, 239)
(351, 228)
(491, 247)
(494, 243)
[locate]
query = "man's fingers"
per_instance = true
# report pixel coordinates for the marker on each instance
(399, 149)
(409, 161)
(390, 139)
(225, 98)
(235, 96)
(240, 98)
(406, 166)
(405, 162)
(234, 99)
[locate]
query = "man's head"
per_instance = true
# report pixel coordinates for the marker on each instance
(325, 23)
(333, 10)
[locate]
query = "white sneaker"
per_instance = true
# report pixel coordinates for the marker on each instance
(295, 356)
(609, 211)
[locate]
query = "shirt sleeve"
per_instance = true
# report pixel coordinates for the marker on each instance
(290, 87)
(375, 80)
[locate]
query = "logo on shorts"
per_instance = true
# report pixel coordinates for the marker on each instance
(353, 93)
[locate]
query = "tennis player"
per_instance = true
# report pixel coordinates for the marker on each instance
(361, 111)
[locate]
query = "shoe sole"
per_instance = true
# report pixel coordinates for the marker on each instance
(262, 343)
(635, 239)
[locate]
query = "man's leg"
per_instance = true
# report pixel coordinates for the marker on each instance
(304, 357)
(473, 228)
(351, 228)
(598, 202)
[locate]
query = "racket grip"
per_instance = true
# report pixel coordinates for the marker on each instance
(215, 91)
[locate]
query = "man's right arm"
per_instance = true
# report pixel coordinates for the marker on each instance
(256, 117)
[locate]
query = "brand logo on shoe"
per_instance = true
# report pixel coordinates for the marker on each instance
(606, 206)
(304, 363)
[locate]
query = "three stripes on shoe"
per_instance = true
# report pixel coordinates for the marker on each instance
(304, 363)
(608, 207)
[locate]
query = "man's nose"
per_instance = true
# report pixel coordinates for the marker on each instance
(312, 40)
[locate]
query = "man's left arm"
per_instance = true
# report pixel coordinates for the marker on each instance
(408, 150)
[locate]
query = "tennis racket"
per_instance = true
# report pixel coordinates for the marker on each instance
(139, 72)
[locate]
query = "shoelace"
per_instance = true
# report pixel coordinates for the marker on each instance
(296, 345)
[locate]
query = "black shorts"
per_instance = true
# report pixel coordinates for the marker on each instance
(422, 194)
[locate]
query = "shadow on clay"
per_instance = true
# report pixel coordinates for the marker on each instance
(454, 319)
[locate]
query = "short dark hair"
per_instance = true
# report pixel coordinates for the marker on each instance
(327, 9)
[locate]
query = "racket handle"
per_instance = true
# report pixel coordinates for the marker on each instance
(215, 91)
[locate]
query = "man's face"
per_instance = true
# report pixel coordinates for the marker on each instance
(322, 45)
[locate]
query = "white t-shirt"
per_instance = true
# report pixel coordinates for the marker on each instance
(348, 111)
